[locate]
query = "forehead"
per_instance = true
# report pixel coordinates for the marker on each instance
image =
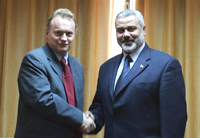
(127, 21)
(62, 23)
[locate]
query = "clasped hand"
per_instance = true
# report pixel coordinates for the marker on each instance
(88, 123)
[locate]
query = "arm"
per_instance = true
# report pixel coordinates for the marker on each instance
(97, 109)
(172, 101)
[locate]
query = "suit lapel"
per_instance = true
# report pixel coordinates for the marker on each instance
(113, 73)
(55, 65)
(139, 66)
(53, 61)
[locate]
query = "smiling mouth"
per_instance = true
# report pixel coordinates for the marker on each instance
(64, 44)
(128, 41)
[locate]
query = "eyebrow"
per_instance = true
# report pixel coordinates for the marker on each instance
(60, 30)
(132, 26)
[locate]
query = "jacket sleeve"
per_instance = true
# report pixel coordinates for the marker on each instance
(97, 108)
(172, 101)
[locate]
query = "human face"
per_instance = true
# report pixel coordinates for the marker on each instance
(60, 35)
(130, 35)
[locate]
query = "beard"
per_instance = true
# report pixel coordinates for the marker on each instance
(134, 46)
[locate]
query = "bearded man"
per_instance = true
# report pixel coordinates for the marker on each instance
(141, 92)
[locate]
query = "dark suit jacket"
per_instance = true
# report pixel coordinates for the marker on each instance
(151, 100)
(43, 110)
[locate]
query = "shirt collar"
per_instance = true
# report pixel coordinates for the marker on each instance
(60, 57)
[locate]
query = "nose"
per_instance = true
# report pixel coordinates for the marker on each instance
(64, 37)
(126, 33)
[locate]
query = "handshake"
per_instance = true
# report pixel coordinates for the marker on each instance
(88, 124)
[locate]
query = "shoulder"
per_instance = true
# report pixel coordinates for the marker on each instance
(73, 60)
(38, 57)
(160, 54)
(111, 64)
(162, 58)
(35, 52)
(153, 53)
(115, 59)
(157, 57)
(157, 54)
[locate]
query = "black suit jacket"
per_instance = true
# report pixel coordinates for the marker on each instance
(43, 108)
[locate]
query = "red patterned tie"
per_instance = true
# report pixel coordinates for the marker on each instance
(68, 82)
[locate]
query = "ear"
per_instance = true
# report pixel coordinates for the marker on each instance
(76, 30)
(47, 32)
(144, 30)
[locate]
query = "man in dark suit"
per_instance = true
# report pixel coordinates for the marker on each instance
(149, 102)
(46, 109)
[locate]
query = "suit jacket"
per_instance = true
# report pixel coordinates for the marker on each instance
(150, 103)
(43, 110)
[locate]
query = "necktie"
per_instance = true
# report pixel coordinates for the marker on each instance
(68, 82)
(125, 71)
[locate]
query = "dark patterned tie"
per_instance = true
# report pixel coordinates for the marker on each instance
(125, 71)
(68, 82)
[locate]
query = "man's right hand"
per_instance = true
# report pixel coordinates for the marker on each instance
(88, 125)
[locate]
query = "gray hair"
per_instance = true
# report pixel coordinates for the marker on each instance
(129, 12)
(64, 13)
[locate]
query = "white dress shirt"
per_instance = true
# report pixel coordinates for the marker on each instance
(60, 57)
(134, 57)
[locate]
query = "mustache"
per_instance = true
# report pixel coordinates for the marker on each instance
(127, 39)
